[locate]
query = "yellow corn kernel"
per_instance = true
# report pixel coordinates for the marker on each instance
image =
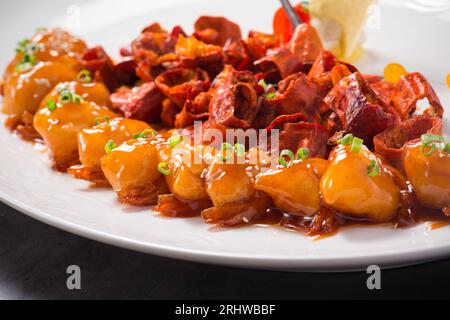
(393, 72)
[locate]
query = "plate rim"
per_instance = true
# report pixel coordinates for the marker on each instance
(313, 264)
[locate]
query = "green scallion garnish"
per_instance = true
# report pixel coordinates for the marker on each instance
(356, 145)
(447, 147)
(271, 95)
(51, 105)
(32, 48)
(22, 46)
(302, 154)
(433, 138)
(239, 149)
(144, 134)
(110, 146)
(28, 50)
(28, 62)
(433, 142)
(263, 84)
(427, 148)
(174, 140)
(286, 153)
(164, 168)
(374, 169)
(346, 140)
(68, 96)
(226, 151)
(84, 76)
(100, 120)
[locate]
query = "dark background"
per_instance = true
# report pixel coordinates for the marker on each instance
(34, 258)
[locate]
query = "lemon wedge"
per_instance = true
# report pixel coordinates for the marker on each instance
(350, 15)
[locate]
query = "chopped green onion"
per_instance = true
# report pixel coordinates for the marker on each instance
(174, 140)
(427, 148)
(100, 120)
(164, 168)
(271, 95)
(263, 84)
(433, 138)
(60, 88)
(32, 47)
(302, 154)
(51, 105)
(447, 147)
(226, 151)
(356, 145)
(77, 99)
(374, 169)
(144, 134)
(67, 96)
(239, 149)
(84, 76)
(286, 153)
(110, 146)
(22, 46)
(431, 142)
(29, 60)
(346, 140)
(22, 67)
(226, 146)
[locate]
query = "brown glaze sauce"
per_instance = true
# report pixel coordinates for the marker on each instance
(22, 126)
(323, 224)
(170, 206)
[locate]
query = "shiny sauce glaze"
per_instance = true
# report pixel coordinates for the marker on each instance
(324, 221)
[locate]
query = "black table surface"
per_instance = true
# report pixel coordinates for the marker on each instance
(34, 258)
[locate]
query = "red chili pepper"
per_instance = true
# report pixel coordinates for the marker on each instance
(283, 28)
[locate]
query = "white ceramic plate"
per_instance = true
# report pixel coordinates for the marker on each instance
(410, 32)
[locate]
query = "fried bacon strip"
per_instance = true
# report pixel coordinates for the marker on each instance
(97, 61)
(125, 71)
(175, 84)
(297, 94)
(409, 90)
(279, 63)
(193, 53)
(327, 70)
(217, 30)
(141, 103)
(390, 143)
(235, 54)
(358, 108)
(152, 43)
(234, 101)
(101, 66)
(296, 132)
(195, 109)
(257, 44)
(384, 89)
(306, 43)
